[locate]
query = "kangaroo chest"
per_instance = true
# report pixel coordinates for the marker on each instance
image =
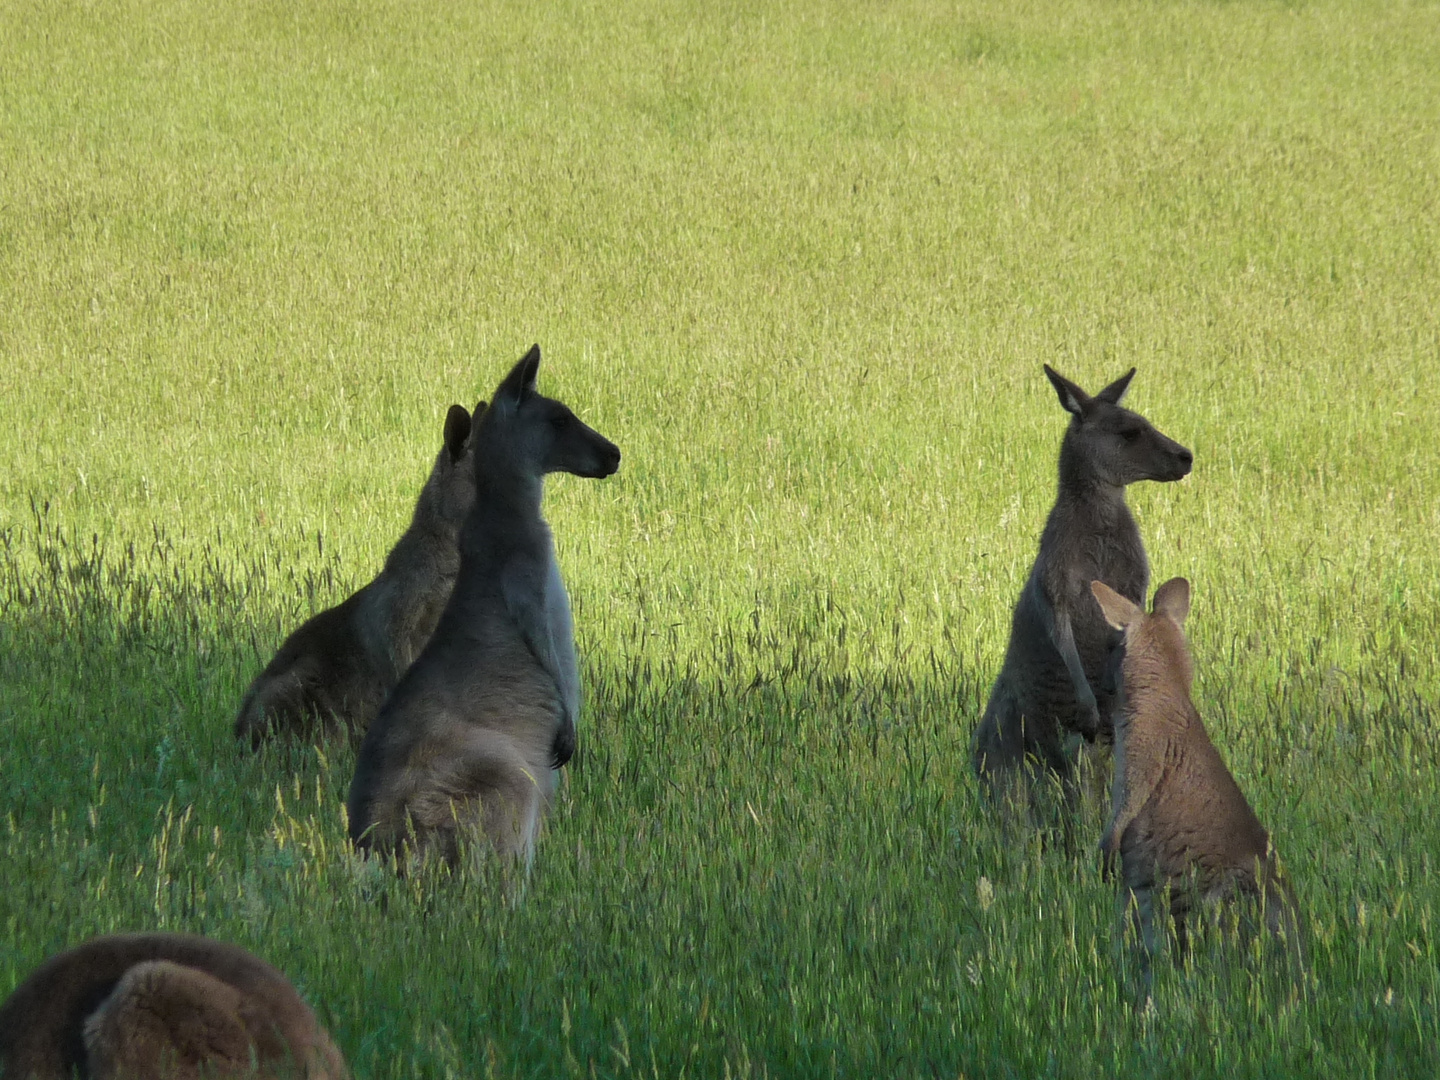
(1080, 544)
(1095, 547)
(562, 638)
(533, 619)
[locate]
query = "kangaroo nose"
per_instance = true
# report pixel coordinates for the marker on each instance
(1187, 459)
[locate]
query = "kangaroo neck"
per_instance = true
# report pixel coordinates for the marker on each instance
(506, 515)
(508, 493)
(1080, 484)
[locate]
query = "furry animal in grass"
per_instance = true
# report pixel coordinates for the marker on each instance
(1179, 823)
(331, 676)
(468, 747)
(1050, 695)
(161, 1007)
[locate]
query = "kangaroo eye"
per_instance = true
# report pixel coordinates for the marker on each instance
(1130, 434)
(559, 422)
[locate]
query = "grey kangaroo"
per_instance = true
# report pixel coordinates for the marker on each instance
(469, 745)
(333, 673)
(1178, 820)
(162, 1007)
(1046, 693)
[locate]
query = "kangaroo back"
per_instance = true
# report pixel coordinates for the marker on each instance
(332, 674)
(404, 603)
(160, 1005)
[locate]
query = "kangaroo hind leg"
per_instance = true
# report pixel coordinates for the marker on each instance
(485, 792)
(1282, 920)
(1000, 757)
(167, 1020)
(1139, 944)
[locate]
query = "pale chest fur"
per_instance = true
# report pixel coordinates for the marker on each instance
(562, 637)
(539, 608)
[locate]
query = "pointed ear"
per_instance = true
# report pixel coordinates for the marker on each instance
(478, 411)
(1116, 390)
(1075, 400)
(520, 383)
(1119, 611)
(457, 430)
(1173, 599)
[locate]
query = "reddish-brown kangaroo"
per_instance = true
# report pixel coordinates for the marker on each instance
(1178, 820)
(1049, 694)
(333, 673)
(469, 745)
(161, 1007)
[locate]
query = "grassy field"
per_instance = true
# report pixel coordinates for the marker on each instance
(803, 264)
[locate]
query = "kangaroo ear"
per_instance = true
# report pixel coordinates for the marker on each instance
(1116, 390)
(1075, 400)
(457, 430)
(1173, 599)
(1119, 611)
(520, 383)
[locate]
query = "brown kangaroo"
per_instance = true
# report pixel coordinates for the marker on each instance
(470, 742)
(1049, 693)
(161, 1007)
(333, 673)
(1178, 819)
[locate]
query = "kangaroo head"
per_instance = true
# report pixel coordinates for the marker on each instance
(540, 435)
(1109, 443)
(1152, 641)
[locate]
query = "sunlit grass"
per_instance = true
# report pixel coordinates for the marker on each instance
(803, 266)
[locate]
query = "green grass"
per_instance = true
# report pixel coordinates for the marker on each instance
(803, 265)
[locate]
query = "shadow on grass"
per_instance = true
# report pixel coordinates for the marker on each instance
(767, 859)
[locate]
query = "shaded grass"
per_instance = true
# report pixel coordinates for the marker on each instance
(770, 863)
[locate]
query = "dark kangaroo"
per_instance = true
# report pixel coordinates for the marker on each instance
(334, 672)
(1178, 819)
(470, 743)
(1050, 689)
(161, 1007)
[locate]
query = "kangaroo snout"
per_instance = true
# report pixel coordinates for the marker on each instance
(586, 453)
(607, 457)
(1183, 460)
